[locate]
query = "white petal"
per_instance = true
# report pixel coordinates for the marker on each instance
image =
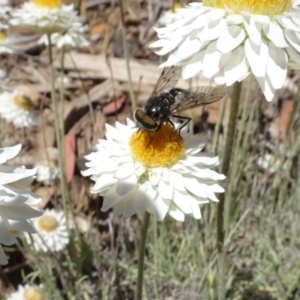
(213, 60)
(159, 208)
(182, 200)
(124, 171)
(188, 48)
(219, 78)
(215, 14)
(5, 236)
(154, 178)
(130, 203)
(171, 45)
(216, 188)
(293, 38)
(257, 57)
(193, 186)
(231, 37)
(103, 182)
(208, 174)
(165, 189)
(176, 179)
(212, 32)
(176, 213)
(145, 196)
(212, 196)
(277, 66)
(274, 32)
(288, 23)
(195, 210)
(9, 153)
(194, 65)
(125, 187)
(172, 60)
(294, 55)
(266, 87)
(111, 132)
(235, 19)
(253, 29)
(236, 67)
(111, 198)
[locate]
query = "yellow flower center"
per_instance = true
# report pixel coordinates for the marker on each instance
(176, 6)
(48, 223)
(23, 102)
(161, 148)
(259, 7)
(2, 36)
(48, 3)
(33, 293)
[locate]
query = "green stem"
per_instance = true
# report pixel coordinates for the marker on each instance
(234, 108)
(139, 286)
(58, 132)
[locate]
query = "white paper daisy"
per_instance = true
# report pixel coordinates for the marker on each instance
(6, 44)
(27, 292)
(158, 172)
(47, 167)
(16, 203)
(52, 233)
(46, 16)
(227, 40)
(17, 109)
(268, 162)
(73, 37)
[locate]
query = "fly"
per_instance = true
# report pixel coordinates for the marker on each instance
(166, 101)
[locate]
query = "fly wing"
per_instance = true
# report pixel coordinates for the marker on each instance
(167, 80)
(197, 96)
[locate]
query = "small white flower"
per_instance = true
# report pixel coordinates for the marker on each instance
(15, 202)
(268, 163)
(52, 233)
(46, 16)
(6, 44)
(228, 40)
(17, 109)
(73, 37)
(27, 292)
(158, 172)
(47, 167)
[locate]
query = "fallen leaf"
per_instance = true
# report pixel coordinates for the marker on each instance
(70, 156)
(114, 106)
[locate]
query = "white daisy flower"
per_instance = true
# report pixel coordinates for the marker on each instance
(268, 162)
(158, 172)
(47, 167)
(6, 44)
(227, 40)
(17, 109)
(46, 16)
(16, 203)
(73, 37)
(52, 233)
(27, 292)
